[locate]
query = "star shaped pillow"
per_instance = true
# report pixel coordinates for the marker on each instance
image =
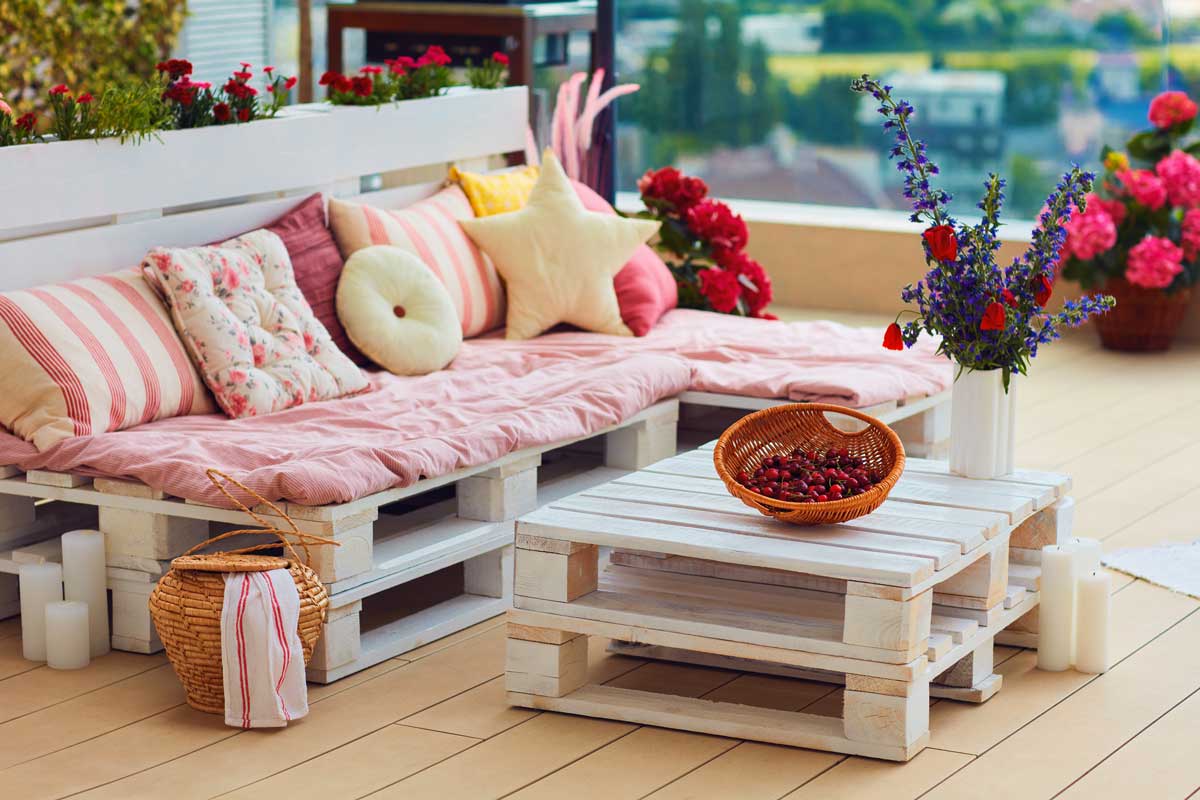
(558, 259)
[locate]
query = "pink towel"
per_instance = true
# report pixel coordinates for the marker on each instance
(261, 656)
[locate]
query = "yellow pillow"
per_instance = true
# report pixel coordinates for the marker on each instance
(496, 192)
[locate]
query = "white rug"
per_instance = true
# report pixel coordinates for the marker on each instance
(1173, 566)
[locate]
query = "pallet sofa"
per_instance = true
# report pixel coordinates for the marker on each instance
(416, 561)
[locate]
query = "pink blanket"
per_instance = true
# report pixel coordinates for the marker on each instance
(497, 397)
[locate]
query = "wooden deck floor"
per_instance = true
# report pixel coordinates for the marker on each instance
(434, 724)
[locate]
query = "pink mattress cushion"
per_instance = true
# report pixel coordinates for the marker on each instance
(497, 397)
(317, 264)
(645, 287)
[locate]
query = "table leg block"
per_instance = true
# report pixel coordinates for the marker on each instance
(970, 670)
(557, 576)
(549, 670)
(146, 535)
(986, 579)
(887, 718)
(642, 443)
(888, 624)
(495, 498)
(1051, 525)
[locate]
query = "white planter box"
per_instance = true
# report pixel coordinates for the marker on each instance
(982, 425)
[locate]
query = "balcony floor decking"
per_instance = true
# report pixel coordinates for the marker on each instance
(434, 724)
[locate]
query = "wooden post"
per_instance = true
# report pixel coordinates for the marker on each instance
(304, 8)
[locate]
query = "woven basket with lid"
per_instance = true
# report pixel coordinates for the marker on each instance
(186, 604)
(778, 430)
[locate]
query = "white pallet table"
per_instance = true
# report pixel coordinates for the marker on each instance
(694, 571)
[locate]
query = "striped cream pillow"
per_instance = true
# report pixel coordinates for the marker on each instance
(92, 356)
(429, 229)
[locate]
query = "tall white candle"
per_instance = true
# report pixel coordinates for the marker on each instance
(84, 580)
(39, 584)
(1094, 605)
(68, 642)
(1056, 617)
(1088, 553)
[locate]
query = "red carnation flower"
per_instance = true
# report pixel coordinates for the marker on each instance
(221, 112)
(243, 115)
(721, 288)
(290, 83)
(342, 84)
(243, 76)
(268, 70)
(84, 98)
(943, 244)
(499, 58)
(27, 122)
(434, 55)
(714, 222)
(1043, 290)
(62, 88)
(327, 78)
(893, 339)
(175, 68)
(371, 69)
(362, 86)
(671, 186)
(993, 318)
(245, 66)
(756, 284)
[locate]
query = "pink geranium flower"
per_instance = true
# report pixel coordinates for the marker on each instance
(1090, 232)
(1146, 187)
(1180, 173)
(1170, 109)
(1154, 262)
(1190, 234)
(5, 108)
(1114, 208)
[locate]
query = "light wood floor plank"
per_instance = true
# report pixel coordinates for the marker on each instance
(677, 679)
(510, 761)
(1045, 756)
(10, 627)
(750, 771)
(480, 712)
(1140, 613)
(766, 691)
(11, 660)
(1138, 494)
(629, 768)
(43, 687)
(1159, 762)
(864, 779)
(359, 767)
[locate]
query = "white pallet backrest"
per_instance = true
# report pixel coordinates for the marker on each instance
(112, 202)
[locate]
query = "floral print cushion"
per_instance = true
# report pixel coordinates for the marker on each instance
(253, 336)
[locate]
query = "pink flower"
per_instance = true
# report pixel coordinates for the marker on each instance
(1153, 263)
(187, 286)
(1170, 109)
(237, 403)
(1090, 232)
(230, 278)
(5, 108)
(308, 340)
(162, 261)
(1114, 208)
(237, 375)
(260, 353)
(1190, 234)
(1145, 187)
(1180, 172)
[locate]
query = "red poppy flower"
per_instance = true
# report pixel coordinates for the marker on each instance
(993, 318)
(1009, 298)
(1044, 287)
(943, 244)
(893, 339)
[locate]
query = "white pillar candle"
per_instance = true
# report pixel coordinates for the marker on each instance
(39, 584)
(84, 580)
(1056, 617)
(1093, 607)
(68, 643)
(1088, 553)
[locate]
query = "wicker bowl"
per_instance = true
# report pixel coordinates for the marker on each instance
(778, 430)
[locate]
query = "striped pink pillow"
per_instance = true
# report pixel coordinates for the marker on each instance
(91, 356)
(430, 230)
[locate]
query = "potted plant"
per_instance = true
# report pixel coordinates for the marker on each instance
(1138, 236)
(991, 320)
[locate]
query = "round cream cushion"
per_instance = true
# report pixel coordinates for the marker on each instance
(397, 312)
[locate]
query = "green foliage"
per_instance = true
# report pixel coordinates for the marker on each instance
(82, 43)
(868, 25)
(132, 112)
(825, 112)
(1032, 90)
(1124, 27)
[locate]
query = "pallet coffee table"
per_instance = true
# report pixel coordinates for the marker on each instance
(898, 605)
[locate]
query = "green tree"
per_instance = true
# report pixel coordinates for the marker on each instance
(1124, 26)
(1032, 89)
(825, 112)
(868, 25)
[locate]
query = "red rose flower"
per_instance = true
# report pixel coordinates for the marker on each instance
(499, 58)
(942, 243)
(1170, 109)
(362, 86)
(1009, 298)
(1043, 288)
(222, 112)
(893, 339)
(60, 89)
(993, 318)
(243, 115)
(84, 98)
(714, 222)
(721, 288)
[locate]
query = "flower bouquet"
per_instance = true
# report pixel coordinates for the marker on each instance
(1138, 236)
(990, 320)
(703, 243)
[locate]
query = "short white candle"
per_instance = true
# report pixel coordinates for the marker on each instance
(1094, 605)
(84, 580)
(1056, 617)
(38, 584)
(68, 643)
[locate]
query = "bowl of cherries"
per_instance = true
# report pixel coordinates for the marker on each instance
(793, 463)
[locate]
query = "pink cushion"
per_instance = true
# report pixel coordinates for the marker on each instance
(317, 265)
(645, 287)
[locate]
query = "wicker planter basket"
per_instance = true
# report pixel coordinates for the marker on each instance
(186, 604)
(777, 430)
(1143, 320)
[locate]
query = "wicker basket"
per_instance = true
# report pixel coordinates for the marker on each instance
(186, 604)
(1143, 320)
(777, 430)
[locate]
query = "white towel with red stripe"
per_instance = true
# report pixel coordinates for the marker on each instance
(261, 654)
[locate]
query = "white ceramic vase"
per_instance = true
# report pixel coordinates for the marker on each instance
(982, 424)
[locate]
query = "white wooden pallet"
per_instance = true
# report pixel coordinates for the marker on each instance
(902, 606)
